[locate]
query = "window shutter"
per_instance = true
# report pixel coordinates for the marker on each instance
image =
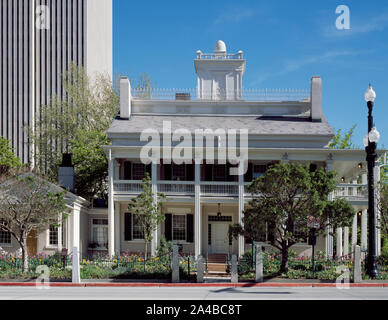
(190, 228)
(127, 170)
(249, 175)
(128, 227)
(168, 227)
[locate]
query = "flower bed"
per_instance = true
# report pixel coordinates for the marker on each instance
(126, 266)
(301, 267)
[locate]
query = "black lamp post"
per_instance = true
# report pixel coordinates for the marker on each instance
(370, 143)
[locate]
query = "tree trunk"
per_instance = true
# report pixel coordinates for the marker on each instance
(23, 246)
(284, 265)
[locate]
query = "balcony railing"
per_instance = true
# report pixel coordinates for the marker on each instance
(219, 188)
(246, 94)
(176, 187)
(350, 192)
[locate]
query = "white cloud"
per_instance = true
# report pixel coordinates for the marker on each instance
(376, 23)
(296, 64)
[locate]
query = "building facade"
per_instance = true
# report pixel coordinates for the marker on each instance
(39, 39)
(203, 197)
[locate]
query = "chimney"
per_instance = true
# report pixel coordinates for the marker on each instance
(125, 98)
(66, 176)
(316, 99)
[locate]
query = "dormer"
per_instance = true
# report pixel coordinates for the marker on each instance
(219, 74)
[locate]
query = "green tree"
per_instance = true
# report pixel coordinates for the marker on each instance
(8, 159)
(77, 124)
(28, 202)
(343, 141)
(284, 199)
(383, 208)
(148, 212)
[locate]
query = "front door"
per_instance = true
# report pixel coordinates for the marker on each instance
(32, 244)
(219, 238)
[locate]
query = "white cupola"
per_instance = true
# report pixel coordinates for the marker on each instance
(219, 74)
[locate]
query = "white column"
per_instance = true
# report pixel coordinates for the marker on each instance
(60, 244)
(339, 242)
(364, 217)
(364, 229)
(154, 177)
(111, 238)
(197, 222)
(117, 228)
(346, 241)
(76, 228)
(241, 241)
(329, 230)
(354, 231)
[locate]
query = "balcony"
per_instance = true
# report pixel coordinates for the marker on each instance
(350, 192)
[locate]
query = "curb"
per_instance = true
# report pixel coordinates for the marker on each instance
(229, 285)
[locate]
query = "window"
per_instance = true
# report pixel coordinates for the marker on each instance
(5, 237)
(179, 172)
(179, 227)
(138, 171)
(53, 236)
(100, 233)
(137, 230)
(259, 170)
(219, 172)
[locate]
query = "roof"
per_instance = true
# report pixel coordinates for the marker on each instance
(255, 125)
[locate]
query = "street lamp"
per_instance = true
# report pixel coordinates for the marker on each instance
(370, 143)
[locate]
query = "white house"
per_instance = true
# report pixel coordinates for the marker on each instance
(204, 198)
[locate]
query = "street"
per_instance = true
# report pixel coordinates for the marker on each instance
(191, 293)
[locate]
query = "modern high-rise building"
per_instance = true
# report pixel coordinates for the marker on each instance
(39, 40)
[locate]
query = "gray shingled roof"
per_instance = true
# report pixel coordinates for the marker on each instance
(255, 125)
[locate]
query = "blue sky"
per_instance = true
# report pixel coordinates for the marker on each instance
(285, 44)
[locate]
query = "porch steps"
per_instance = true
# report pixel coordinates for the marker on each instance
(216, 264)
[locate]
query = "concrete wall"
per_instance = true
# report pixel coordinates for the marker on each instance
(99, 37)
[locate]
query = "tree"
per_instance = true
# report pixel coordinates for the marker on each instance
(148, 213)
(78, 124)
(8, 160)
(383, 208)
(28, 202)
(345, 141)
(284, 199)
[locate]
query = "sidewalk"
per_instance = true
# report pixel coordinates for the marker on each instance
(276, 282)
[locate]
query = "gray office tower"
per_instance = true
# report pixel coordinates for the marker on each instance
(39, 39)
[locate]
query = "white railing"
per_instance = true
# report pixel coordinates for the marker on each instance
(246, 94)
(127, 186)
(219, 188)
(176, 187)
(355, 192)
(220, 56)
(350, 192)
